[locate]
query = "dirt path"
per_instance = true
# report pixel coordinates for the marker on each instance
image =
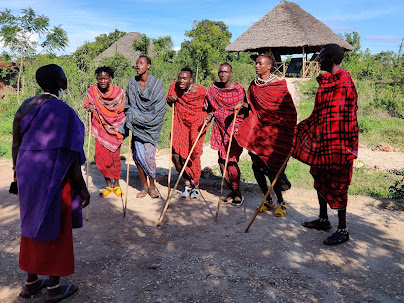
(193, 259)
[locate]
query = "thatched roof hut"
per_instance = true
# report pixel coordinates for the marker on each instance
(287, 29)
(123, 46)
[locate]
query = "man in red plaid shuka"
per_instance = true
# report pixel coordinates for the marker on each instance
(221, 98)
(188, 119)
(328, 141)
(267, 133)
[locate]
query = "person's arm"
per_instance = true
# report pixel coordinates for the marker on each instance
(17, 139)
(77, 181)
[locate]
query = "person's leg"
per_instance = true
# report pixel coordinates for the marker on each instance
(143, 180)
(109, 182)
(57, 292)
(321, 223)
(342, 218)
(33, 285)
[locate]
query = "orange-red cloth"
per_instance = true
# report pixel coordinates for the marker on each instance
(55, 257)
(188, 119)
(108, 116)
(108, 162)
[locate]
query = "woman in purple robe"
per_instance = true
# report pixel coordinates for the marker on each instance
(48, 139)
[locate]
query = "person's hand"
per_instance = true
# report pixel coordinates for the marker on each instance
(172, 99)
(13, 188)
(207, 119)
(85, 196)
(238, 106)
(91, 108)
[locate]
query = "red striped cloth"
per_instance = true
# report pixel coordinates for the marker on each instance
(108, 116)
(329, 137)
(55, 257)
(188, 120)
(333, 183)
(221, 102)
(108, 162)
(268, 130)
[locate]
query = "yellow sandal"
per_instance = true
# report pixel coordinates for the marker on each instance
(106, 191)
(118, 191)
(268, 205)
(281, 210)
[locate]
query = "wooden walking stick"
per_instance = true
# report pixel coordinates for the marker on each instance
(267, 194)
(127, 173)
(171, 151)
(180, 175)
(225, 164)
(88, 155)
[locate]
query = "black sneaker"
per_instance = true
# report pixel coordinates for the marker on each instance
(336, 238)
(319, 224)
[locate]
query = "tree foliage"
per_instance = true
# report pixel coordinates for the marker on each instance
(85, 54)
(205, 49)
(17, 33)
(142, 46)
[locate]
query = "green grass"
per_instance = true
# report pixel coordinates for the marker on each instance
(365, 181)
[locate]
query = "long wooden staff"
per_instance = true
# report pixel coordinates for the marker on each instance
(171, 150)
(267, 194)
(88, 155)
(180, 175)
(225, 164)
(127, 173)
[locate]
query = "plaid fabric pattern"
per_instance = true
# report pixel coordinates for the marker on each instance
(333, 183)
(232, 176)
(188, 116)
(109, 115)
(109, 163)
(268, 130)
(329, 137)
(220, 102)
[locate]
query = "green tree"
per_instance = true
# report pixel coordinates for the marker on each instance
(205, 49)
(16, 32)
(142, 46)
(85, 54)
(163, 46)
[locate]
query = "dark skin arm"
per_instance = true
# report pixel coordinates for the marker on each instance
(77, 181)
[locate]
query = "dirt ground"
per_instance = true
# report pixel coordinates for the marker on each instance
(192, 258)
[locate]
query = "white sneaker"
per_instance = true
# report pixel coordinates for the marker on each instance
(195, 194)
(185, 194)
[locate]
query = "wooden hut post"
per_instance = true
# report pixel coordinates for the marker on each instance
(304, 65)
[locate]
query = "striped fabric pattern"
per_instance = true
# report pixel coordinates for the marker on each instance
(109, 115)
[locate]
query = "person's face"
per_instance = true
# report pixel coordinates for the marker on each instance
(224, 73)
(104, 80)
(325, 62)
(142, 66)
(263, 65)
(184, 80)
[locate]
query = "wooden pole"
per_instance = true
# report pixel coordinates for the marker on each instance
(225, 164)
(267, 194)
(171, 151)
(180, 175)
(304, 65)
(88, 155)
(127, 173)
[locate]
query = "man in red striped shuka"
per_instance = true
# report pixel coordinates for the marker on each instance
(267, 133)
(221, 98)
(107, 102)
(188, 119)
(328, 141)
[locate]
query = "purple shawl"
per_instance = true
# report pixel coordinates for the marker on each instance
(52, 134)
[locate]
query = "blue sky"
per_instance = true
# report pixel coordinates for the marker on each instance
(379, 23)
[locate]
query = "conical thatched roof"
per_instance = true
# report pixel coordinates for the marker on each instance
(286, 29)
(124, 46)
